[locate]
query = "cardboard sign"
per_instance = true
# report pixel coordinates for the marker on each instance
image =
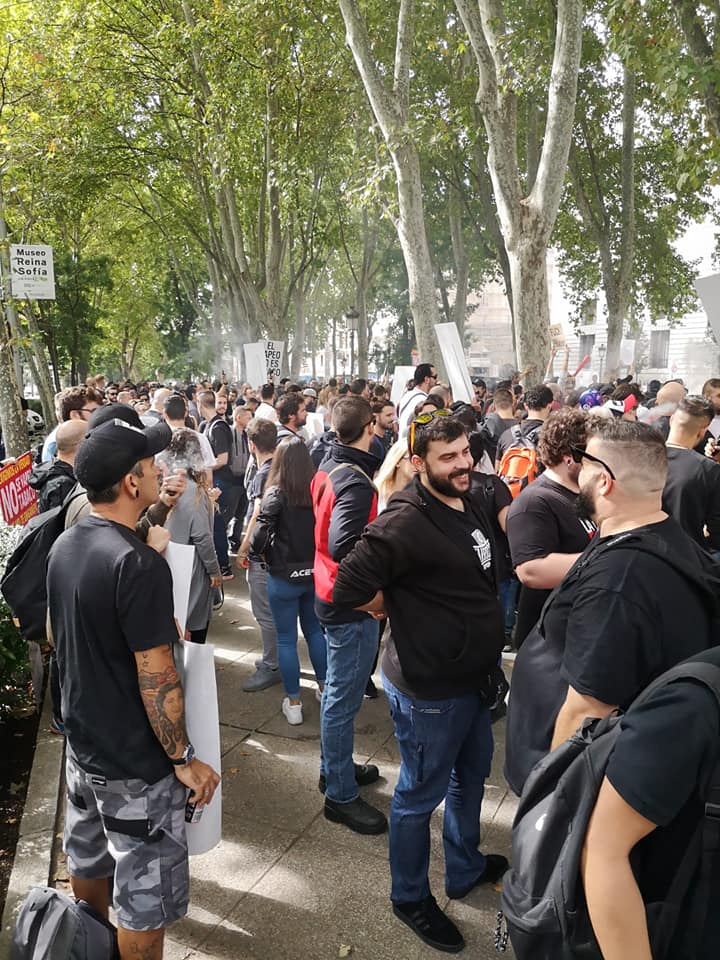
(709, 290)
(557, 335)
(455, 362)
(17, 498)
(32, 272)
(255, 369)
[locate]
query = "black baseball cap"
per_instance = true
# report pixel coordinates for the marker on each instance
(115, 411)
(111, 450)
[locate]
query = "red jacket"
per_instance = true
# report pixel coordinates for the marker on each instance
(345, 501)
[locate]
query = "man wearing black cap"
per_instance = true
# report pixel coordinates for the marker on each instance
(129, 762)
(150, 525)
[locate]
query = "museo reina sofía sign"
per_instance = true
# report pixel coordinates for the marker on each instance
(17, 497)
(32, 273)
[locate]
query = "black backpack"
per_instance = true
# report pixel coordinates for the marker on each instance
(543, 901)
(23, 582)
(54, 926)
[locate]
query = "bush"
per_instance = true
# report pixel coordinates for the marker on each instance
(14, 663)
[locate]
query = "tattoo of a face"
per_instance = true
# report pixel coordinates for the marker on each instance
(164, 702)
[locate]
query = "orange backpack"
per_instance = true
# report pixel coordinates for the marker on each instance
(520, 465)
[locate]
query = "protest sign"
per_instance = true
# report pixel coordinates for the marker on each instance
(709, 290)
(274, 350)
(255, 369)
(455, 363)
(17, 498)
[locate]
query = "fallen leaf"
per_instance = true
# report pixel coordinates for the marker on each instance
(498, 887)
(234, 770)
(344, 951)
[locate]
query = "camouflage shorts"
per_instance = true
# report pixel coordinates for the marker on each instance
(134, 832)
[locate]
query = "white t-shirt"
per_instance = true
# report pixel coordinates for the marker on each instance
(207, 451)
(266, 412)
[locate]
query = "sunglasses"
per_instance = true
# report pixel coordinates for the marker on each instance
(580, 453)
(422, 421)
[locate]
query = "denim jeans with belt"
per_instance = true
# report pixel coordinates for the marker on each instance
(351, 649)
(446, 749)
(288, 603)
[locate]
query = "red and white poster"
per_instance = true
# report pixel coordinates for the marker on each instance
(17, 498)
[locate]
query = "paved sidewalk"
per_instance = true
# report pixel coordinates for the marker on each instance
(284, 883)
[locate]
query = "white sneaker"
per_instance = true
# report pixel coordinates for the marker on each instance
(292, 711)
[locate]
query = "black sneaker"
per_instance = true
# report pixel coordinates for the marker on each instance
(227, 573)
(365, 773)
(428, 921)
(357, 815)
(370, 690)
(495, 867)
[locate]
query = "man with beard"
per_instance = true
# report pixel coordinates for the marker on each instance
(640, 599)
(447, 634)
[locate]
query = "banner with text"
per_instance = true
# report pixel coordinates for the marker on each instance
(455, 363)
(17, 497)
(32, 273)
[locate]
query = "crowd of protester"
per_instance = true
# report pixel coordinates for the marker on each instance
(575, 527)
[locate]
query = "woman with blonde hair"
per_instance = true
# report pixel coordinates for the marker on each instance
(395, 473)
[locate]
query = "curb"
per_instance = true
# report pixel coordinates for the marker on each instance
(33, 854)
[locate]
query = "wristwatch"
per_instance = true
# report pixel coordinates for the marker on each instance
(187, 757)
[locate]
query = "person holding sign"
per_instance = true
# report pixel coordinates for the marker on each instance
(129, 763)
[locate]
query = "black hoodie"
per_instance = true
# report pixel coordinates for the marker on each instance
(436, 570)
(52, 481)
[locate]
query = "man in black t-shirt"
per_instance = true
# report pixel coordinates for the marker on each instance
(538, 403)
(217, 430)
(636, 603)
(129, 760)
(648, 811)
(499, 421)
(692, 488)
(544, 531)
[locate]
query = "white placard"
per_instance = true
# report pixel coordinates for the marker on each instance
(274, 350)
(708, 289)
(180, 558)
(455, 363)
(627, 352)
(400, 378)
(315, 425)
(255, 369)
(32, 273)
(202, 720)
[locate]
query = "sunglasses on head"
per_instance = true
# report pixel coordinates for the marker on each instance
(580, 453)
(422, 421)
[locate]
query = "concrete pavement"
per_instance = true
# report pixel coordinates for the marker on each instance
(285, 883)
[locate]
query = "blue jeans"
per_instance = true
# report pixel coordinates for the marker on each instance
(220, 524)
(446, 749)
(288, 602)
(351, 649)
(508, 598)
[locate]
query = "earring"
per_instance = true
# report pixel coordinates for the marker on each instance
(137, 493)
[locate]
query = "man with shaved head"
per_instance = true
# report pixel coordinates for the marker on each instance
(636, 602)
(54, 480)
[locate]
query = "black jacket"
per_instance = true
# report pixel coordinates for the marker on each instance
(52, 481)
(447, 624)
(285, 536)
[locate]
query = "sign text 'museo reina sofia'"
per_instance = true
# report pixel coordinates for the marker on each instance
(17, 498)
(32, 272)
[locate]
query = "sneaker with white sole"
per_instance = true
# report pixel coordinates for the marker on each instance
(292, 711)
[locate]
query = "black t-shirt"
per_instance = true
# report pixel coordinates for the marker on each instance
(666, 749)
(219, 434)
(692, 495)
(543, 520)
(109, 595)
(620, 618)
(494, 426)
(507, 440)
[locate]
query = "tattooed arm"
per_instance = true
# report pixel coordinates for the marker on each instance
(162, 696)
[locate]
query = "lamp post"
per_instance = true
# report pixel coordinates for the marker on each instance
(602, 350)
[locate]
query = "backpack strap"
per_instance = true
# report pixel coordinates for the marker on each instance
(342, 466)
